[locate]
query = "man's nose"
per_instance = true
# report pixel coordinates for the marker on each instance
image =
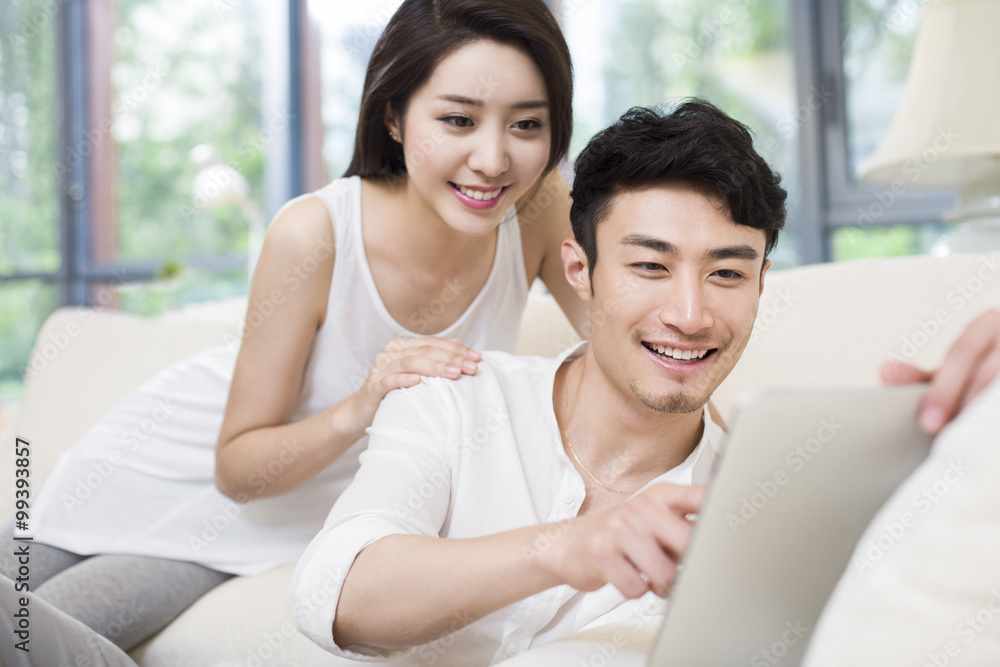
(686, 308)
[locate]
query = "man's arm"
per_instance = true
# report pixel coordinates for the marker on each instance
(405, 590)
(972, 363)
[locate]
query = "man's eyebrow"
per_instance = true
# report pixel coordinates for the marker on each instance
(741, 251)
(469, 101)
(651, 242)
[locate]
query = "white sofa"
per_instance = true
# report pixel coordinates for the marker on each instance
(821, 325)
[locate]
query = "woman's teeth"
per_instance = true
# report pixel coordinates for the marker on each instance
(479, 194)
(679, 355)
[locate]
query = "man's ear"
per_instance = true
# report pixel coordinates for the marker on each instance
(574, 261)
(391, 121)
(763, 272)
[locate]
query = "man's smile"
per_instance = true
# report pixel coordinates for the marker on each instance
(680, 358)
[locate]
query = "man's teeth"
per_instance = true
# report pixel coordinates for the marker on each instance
(479, 194)
(680, 355)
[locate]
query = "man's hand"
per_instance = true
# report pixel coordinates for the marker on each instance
(970, 366)
(635, 546)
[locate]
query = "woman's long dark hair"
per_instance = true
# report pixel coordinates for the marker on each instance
(421, 33)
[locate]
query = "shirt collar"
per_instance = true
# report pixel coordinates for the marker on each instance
(696, 468)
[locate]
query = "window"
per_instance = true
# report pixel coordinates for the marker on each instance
(29, 204)
(141, 184)
(651, 52)
(866, 69)
(178, 174)
(347, 36)
(144, 144)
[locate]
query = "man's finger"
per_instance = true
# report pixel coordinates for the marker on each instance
(625, 577)
(647, 556)
(674, 534)
(682, 499)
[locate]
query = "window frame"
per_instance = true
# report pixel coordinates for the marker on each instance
(79, 273)
(830, 200)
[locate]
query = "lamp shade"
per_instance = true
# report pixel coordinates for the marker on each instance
(947, 128)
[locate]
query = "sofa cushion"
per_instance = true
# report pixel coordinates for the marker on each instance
(252, 620)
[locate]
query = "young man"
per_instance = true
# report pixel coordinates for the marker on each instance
(524, 468)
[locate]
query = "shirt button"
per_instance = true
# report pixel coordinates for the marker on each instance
(511, 651)
(568, 498)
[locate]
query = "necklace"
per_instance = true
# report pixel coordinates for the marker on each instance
(573, 451)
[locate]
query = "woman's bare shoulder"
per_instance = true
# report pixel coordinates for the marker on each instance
(298, 256)
(301, 227)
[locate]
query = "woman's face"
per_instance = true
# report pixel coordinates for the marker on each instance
(476, 136)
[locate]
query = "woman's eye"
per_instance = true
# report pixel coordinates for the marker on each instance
(527, 124)
(458, 121)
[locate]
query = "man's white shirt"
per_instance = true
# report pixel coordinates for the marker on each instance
(461, 459)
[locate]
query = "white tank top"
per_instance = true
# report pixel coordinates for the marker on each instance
(156, 497)
(358, 326)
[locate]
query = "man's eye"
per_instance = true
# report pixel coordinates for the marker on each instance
(728, 274)
(458, 121)
(649, 266)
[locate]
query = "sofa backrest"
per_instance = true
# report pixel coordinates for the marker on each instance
(819, 325)
(833, 325)
(84, 360)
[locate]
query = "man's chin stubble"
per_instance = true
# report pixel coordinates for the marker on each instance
(675, 403)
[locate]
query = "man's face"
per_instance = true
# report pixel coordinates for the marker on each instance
(675, 293)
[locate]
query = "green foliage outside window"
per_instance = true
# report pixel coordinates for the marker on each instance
(183, 75)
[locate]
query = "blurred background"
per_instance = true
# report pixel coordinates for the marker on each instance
(144, 144)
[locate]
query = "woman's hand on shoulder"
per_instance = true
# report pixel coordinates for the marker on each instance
(403, 362)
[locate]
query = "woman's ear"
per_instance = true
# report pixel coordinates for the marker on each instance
(391, 121)
(574, 261)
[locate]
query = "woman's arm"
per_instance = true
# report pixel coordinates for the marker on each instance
(287, 307)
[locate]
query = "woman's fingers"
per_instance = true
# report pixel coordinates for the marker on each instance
(405, 360)
(967, 369)
(972, 363)
(900, 372)
(453, 345)
(401, 351)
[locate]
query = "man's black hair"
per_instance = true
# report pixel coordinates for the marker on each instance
(696, 143)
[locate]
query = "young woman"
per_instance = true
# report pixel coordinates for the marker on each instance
(421, 255)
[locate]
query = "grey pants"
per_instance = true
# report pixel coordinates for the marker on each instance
(124, 598)
(36, 634)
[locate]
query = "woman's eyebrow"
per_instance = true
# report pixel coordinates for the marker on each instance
(461, 99)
